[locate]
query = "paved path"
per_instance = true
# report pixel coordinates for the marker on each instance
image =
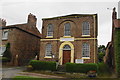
(18, 71)
(39, 75)
(11, 72)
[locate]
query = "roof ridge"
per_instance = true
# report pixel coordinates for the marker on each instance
(69, 16)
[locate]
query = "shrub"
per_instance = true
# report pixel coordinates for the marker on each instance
(117, 50)
(81, 68)
(103, 68)
(43, 65)
(7, 52)
(29, 68)
(5, 59)
(100, 56)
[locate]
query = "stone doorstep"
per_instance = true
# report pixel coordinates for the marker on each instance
(38, 75)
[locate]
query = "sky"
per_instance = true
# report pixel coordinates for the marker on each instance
(16, 12)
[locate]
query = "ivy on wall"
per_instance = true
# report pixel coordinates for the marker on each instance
(117, 50)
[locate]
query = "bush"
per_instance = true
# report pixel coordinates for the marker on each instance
(81, 68)
(103, 68)
(29, 68)
(7, 52)
(43, 65)
(4, 59)
(100, 56)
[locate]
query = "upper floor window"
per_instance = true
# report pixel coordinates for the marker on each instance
(48, 50)
(5, 35)
(67, 29)
(85, 50)
(85, 28)
(50, 30)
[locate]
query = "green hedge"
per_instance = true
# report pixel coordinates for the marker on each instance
(4, 59)
(117, 50)
(43, 65)
(81, 68)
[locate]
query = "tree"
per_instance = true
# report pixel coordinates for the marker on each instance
(101, 53)
(101, 48)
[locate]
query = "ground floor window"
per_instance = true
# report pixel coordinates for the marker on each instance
(48, 50)
(85, 50)
(2, 50)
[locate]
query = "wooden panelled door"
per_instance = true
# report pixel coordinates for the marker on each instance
(66, 56)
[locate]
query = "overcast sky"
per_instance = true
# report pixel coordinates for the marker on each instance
(16, 12)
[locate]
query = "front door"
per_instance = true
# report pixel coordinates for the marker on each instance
(66, 56)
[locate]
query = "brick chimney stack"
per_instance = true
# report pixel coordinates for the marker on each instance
(2, 22)
(32, 20)
(114, 14)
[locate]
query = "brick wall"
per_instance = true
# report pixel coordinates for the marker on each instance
(76, 32)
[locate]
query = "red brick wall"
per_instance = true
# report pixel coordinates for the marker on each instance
(76, 32)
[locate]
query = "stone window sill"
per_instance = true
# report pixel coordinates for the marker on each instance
(49, 37)
(85, 35)
(4, 39)
(47, 57)
(85, 58)
(66, 36)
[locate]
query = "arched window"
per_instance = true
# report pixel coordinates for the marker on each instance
(48, 50)
(85, 50)
(85, 28)
(67, 29)
(66, 47)
(50, 30)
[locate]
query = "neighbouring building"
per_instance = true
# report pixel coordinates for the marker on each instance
(71, 38)
(24, 40)
(109, 58)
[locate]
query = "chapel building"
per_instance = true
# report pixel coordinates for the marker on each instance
(71, 38)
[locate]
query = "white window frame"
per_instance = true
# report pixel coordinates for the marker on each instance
(87, 50)
(48, 50)
(68, 31)
(50, 30)
(85, 32)
(5, 35)
(2, 50)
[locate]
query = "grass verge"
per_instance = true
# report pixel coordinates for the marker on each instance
(29, 78)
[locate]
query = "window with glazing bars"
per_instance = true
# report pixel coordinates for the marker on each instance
(67, 29)
(48, 50)
(85, 50)
(85, 28)
(50, 30)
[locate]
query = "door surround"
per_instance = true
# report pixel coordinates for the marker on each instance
(61, 51)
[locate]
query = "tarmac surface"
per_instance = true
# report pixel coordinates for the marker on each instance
(8, 73)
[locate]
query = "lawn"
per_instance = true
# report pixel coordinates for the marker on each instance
(35, 78)
(29, 78)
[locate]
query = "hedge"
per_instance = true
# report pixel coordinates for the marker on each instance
(4, 59)
(117, 50)
(81, 68)
(43, 65)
